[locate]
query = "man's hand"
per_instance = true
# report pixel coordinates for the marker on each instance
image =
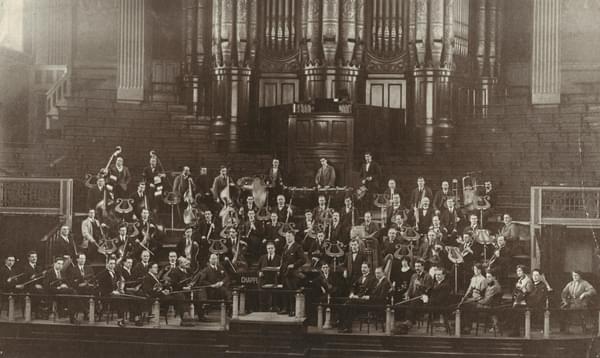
(345, 273)
(291, 266)
(20, 287)
(365, 297)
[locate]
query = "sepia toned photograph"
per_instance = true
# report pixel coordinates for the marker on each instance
(300, 178)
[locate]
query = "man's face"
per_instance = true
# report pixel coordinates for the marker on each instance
(145, 215)
(489, 277)
(535, 276)
(473, 220)
(275, 163)
(213, 259)
(392, 184)
(435, 221)
(101, 182)
(418, 267)
(110, 266)
(186, 171)
(274, 217)
(128, 264)
(172, 257)
(354, 246)
(440, 275)
(208, 216)
(368, 158)
(250, 201)
(321, 201)
(58, 265)
(378, 273)
(392, 234)
(520, 272)
(325, 269)
(223, 171)
(233, 233)
(450, 203)
(81, 260)
(64, 231)
(488, 185)
(321, 236)
(280, 200)
(445, 185)
(336, 217)
(154, 269)
(141, 187)
(466, 238)
(33, 258)
(501, 241)
(347, 201)
(123, 231)
(323, 162)
(251, 215)
(145, 256)
(308, 216)
(367, 217)
(364, 269)
(152, 162)
(92, 214)
(10, 261)
(420, 182)
(289, 238)
(119, 162)
(425, 203)
(396, 199)
(431, 236)
(203, 171)
(506, 219)
(270, 249)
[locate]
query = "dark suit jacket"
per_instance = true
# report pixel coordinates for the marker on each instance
(325, 177)
(148, 284)
(29, 272)
(374, 172)
(276, 179)
(439, 200)
(177, 276)
(51, 281)
(75, 277)
(263, 261)
(5, 274)
(381, 291)
(180, 248)
(293, 255)
(448, 220)
(361, 288)
(139, 271)
(123, 177)
(210, 276)
(425, 220)
(419, 284)
(415, 196)
(353, 266)
(327, 286)
(107, 283)
(439, 294)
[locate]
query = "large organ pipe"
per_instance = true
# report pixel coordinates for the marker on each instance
(436, 14)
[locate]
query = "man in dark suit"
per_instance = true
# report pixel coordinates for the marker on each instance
(419, 193)
(119, 177)
(140, 200)
(271, 232)
(441, 197)
(216, 278)
(325, 177)
(8, 279)
(154, 177)
(30, 271)
(370, 177)
(292, 259)
(55, 282)
(425, 216)
(267, 264)
(439, 294)
(220, 182)
(450, 218)
(141, 268)
(354, 260)
(207, 230)
(108, 287)
(62, 244)
(274, 180)
(360, 293)
(97, 193)
(81, 276)
(189, 248)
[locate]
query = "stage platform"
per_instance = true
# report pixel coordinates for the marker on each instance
(266, 335)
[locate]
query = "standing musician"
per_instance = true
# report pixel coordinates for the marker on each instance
(92, 233)
(97, 193)
(391, 190)
(321, 212)
(450, 219)
(327, 284)
(146, 239)
(370, 176)
(189, 248)
(353, 262)
(271, 232)
(249, 206)
(8, 276)
(55, 283)
(274, 179)
(439, 229)
(124, 245)
(203, 183)
(500, 261)
(236, 251)
(396, 209)
(153, 176)
(183, 182)
(509, 231)
(336, 231)
(348, 215)
(220, 183)
(308, 227)
(267, 264)
(371, 240)
(441, 197)
(283, 210)
(423, 216)
(140, 201)
(253, 233)
(208, 229)
(81, 276)
(120, 177)
(63, 244)
(292, 259)
(325, 177)
(419, 193)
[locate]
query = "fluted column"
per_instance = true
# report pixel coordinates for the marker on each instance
(545, 61)
(53, 21)
(132, 51)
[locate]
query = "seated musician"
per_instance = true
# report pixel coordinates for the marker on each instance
(523, 286)
(308, 227)
(372, 236)
(236, 252)
(509, 230)
(489, 194)
(419, 193)
(316, 249)
(55, 283)
(492, 294)
(180, 282)
(441, 289)
(325, 177)
(125, 272)
(441, 197)
(153, 176)
(439, 229)
(154, 287)
(119, 176)
(171, 265)
(419, 285)
(431, 249)
(326, 284)
(336, 230)
(473, 226)
(141, 268)
(32, 273)
(392, 190)
(108, 286)
(8, 275)
(538, 298)
(268, 266)
(247, 207)
(423, 216)
(474, 294)
(450, 218)
(501, 259)
(188, 248)
(292, 259)
(215, 277)
(283, 210)
(81, 276)
(360, 292)
(271, 232)
(388, 246)
(253, 233)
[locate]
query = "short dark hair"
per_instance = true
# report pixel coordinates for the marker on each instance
(524, 268)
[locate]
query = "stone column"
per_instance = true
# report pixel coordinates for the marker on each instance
(132, 51)
(545, 61)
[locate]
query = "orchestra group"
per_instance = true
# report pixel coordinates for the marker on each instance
(423, 247)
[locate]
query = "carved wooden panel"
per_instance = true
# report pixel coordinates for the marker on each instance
(389, 93)
(277, 91)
